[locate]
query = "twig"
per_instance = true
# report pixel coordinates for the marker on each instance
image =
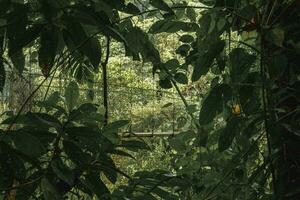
(21, 185)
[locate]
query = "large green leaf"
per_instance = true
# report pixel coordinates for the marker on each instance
(25, 39)
(160, 4)
(62, 171)
(75, 153)
(213, 103)
(278, 65)
(240, 63)
(114, 126)
(131, 9)
(181, 78)
(139, 43)
(204, 62)
(134, 145)
(86, 112)
(96, 186)
(72, 95)
(49, 191)
(82, 131)
(191, 14)
(28, 144)
(165, 83)
(171, 26)
(92, 50)
(180, 141)
(27, 191)
(37, 120)
(228, 133)
(276, 36)
(186, 39)
(77, 39)
(48, 49)
(183, 50)
(7, 172)
(108, 167)
(18, 60)
(224, 3)
(249, 96)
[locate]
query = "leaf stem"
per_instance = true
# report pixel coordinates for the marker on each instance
(264, 101)
(105, 82)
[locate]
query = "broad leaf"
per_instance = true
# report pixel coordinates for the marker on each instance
(77, 40)
(62, 171)
(276, 36)
(165, 83)
(213, 103)
(96, 186)
(28, 144)
(205, 61)
(92, 50)
(228, 133)
(48, 49)
(49, 191)
(169, 26)
(75, 153)
(72, 95)
(134, 145)
(138, 43)
(161, 4)
(240, 63)
(18, 60)
(181, 78)
(191, 14)
(183, 50)
(186, 39)
(114, 126)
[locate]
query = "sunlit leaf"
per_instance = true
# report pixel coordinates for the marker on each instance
(72, 95)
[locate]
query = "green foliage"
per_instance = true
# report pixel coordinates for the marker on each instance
(172, 26)
(204, 62)
(68, 151)
(243, 138)
(71, 95)
(161, 4)
(213, 104)
(47, 51)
